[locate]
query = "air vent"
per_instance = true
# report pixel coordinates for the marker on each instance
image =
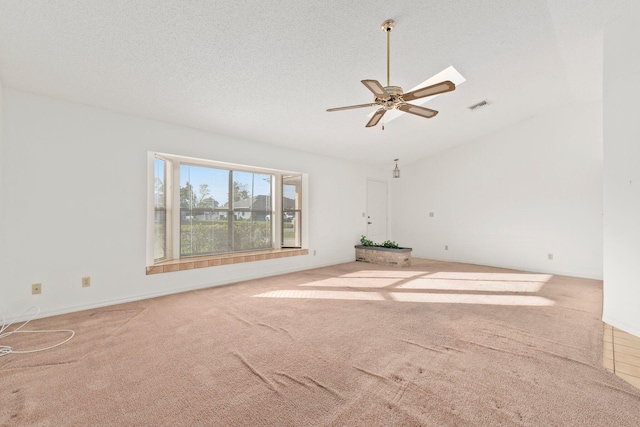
(479, 105)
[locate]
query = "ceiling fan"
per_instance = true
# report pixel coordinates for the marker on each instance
(389, 97)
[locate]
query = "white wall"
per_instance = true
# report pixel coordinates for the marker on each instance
(511, 198)
(73, 185)
(73, 197)
(621, 306)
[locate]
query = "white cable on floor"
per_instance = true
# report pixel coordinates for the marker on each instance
(5, 349)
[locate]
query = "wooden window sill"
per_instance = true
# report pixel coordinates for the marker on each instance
(225, 259)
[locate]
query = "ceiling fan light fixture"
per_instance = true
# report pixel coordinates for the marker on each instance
(448, 74)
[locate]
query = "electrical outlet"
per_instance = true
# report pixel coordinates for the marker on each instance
(550, 257)
(314, 252)
(431, 214)
(446, 247)
(36, 288)
(86, 282)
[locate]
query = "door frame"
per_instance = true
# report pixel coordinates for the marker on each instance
(386, 206)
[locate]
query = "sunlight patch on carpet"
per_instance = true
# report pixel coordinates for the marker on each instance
(381, 285)
(375, 274)
(345, 295)
(509, 277)
(472, 285)
(517, 300)
(514, 300)
(354, 282)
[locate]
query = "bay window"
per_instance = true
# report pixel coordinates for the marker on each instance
(221, 208)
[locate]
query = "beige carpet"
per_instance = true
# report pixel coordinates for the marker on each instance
(436, 344)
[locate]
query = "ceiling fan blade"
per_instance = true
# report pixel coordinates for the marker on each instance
(375, 87)
(352, 107)
(417, 110)
(376, 117)
(442, 87)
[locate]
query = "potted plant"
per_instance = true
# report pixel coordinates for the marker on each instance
(385, 253)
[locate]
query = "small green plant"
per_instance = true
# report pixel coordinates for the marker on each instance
(390, 244)
(386, 244)
(366, 242)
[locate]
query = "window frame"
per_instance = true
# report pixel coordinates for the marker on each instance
(173, 206)
(168, 208)
(297, 210)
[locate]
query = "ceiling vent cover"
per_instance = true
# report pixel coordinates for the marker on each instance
(479, 105)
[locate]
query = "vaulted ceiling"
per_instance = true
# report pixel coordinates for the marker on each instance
(268, 70)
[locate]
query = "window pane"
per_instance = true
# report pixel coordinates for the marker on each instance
(251, 230)
(203, 187)
(251, 211)
(242, 189)
(210, 224)
(196, 236)
(292, 192)
(291, 230)
(160, 211)
(262, 192)
(204, 227)
(291, 211)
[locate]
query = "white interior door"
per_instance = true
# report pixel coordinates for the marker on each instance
(377, 211)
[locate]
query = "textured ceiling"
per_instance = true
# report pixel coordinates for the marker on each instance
(268, 70)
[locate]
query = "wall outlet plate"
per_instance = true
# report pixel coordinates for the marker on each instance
(86, 281)
(36, 288)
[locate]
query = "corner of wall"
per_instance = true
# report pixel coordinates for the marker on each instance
(621, 178)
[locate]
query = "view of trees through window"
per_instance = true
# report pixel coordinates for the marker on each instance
(201, 207)
(212, 222)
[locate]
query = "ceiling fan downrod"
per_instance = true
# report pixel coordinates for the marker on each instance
(387, 26)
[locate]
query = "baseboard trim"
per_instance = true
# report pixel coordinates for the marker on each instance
(110, 302)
